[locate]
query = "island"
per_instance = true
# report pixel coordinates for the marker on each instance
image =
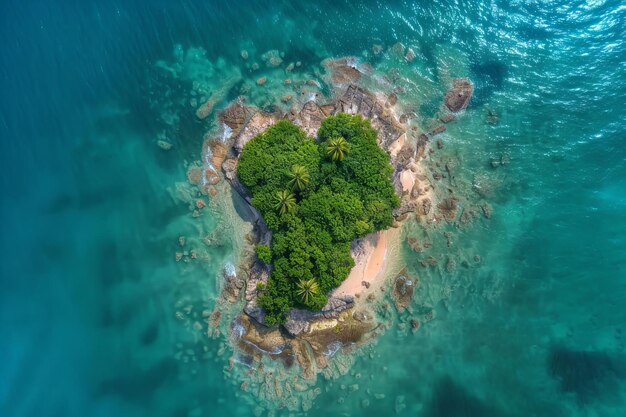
(326, 188)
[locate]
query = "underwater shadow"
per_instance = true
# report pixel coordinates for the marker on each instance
(592, 376)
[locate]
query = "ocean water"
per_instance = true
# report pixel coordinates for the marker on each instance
(98, 319)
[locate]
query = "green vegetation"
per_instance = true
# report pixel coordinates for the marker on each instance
(316, 197)
(264, 253)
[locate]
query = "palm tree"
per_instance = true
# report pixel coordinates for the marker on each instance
(299, 177)
(306, 288)
(285, 202)
(337, 148)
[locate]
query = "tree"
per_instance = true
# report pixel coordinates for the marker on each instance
(285, 202)
(336, 203)
(299, 177)
(264, 253)
(307, 289)
(337, 148)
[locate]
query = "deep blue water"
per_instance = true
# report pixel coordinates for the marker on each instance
(89, 217)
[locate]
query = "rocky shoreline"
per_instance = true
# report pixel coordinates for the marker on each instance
(312, 339)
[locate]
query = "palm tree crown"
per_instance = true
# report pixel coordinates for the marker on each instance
(337, 148)
(306, 288)
(299, 177)
(285, 201)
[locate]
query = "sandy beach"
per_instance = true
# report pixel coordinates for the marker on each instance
(371, 264)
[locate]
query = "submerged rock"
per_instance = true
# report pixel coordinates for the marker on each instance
(458, 97)
(165, 145)
(403, 289)
(205, 109)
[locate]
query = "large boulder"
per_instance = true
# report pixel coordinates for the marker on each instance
(232, 284)
(309, 118)
(403, 290)
(259, 122)
(235, 116)
(458, 97)
(259, 274)
(299, 321)
(357, 100)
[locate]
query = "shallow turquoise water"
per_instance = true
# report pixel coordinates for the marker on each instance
(91, 211)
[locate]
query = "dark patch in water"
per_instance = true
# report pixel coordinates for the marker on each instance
(138, 385)
(451, 400)
(590, 375)
(487, 77)
(150, 334)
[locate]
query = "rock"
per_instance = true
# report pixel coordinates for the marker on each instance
(272, 58)
(403, 289)
(392, 99)
(424, 207)
(397, 49)
(410, 55)
(290, 67)
(377, 49)
(357, 100)
(487, 210)
(345, 75)
(211, 177)
(256, 312)
(259, 123)
(309, 118)
(212, 191)
(447, 118)
(244, 55)
(232, 284)
(218, 153)
(230, 169)
(165, 145)
(235, 116)
(299, 321)
(261, 81)
(287, 82)
(259, 274)
(458, 97)
(438, 130)
(286, 98)
(448, 207)
(365, 284)
(200, 204)
(415, 325)
(205, 109)
(181, 240)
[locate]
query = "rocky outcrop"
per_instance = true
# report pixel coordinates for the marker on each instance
(309, 118)
(458, 97)
(259, 123)
(259, 274)
(235, 116)
(403, 289)
(299, 321)
(357, 100)
(345, 75)
(232, 284)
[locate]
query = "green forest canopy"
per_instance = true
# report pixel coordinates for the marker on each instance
(316, 197)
